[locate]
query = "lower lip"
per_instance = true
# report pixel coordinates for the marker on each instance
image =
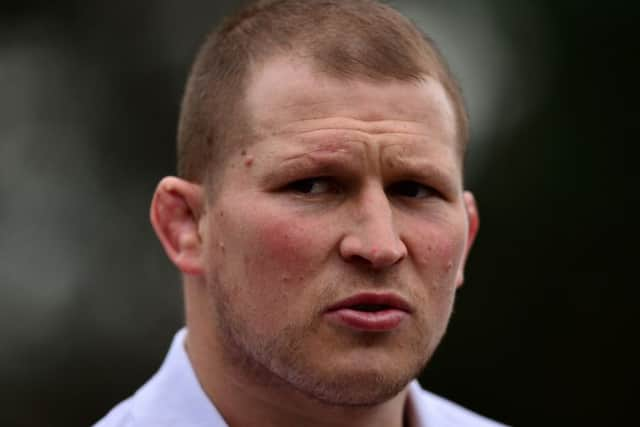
(376, 321)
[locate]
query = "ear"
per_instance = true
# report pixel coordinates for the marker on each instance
(175, 211)
(473, 223)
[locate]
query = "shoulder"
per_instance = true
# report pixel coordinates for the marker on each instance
(171, 398)
(436, 411)
(120, 416)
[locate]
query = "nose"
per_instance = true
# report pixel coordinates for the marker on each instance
(372, 239)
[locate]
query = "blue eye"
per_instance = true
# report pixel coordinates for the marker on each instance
(312, 186)
(410, 189)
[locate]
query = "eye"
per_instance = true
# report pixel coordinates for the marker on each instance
(319, 185)
(411, 189)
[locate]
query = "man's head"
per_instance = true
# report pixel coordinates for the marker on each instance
(348, 40)
(328, 259)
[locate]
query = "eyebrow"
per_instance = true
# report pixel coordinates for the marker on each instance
(320, 156)
(411, 166)
(325, 148)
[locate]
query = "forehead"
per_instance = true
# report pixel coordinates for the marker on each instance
(285, 92)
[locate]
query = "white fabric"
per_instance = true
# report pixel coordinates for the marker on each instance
(173, 398)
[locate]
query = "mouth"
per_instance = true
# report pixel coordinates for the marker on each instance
(372, 312)
(370, 308)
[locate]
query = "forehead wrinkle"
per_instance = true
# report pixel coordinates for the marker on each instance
(325, 148)
(347, 124)
(360, 133)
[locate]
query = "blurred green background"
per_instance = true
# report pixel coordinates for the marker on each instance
(542, 333)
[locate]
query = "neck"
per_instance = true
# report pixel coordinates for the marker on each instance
(243, 401)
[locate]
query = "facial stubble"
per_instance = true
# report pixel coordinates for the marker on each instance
(282, 362)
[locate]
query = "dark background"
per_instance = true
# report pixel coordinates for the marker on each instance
(543, 331)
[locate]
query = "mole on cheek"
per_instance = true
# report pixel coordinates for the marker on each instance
(248, 161)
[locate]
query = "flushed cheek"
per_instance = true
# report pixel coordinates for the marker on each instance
(438, 255)
(265, 261)
(287, 250)
(283, 263)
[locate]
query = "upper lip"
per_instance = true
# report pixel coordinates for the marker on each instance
(391, 300)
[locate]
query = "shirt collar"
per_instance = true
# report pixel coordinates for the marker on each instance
(173, 396)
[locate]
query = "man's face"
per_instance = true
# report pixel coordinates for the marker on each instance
(338, 236)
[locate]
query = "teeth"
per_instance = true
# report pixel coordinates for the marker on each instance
(369, 307)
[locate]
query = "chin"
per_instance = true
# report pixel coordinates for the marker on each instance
(354, 389)
(359, 382)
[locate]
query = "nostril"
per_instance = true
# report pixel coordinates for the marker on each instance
(360, 260)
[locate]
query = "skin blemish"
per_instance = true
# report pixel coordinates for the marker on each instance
(391, 163)
(449, 265)
(243, 152)
(248, 161)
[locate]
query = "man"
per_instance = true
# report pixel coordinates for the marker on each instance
(320, 223)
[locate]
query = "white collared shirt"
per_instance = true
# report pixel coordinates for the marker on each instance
(173, 397)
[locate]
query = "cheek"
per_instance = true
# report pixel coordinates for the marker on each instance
(289, 246)
(439, 251)
(282, 262)
(279, 251)
(284, 242)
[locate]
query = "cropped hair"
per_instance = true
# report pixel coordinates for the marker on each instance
(345, 39)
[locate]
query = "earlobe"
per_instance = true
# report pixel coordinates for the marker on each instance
(473, 224)
(175, 211)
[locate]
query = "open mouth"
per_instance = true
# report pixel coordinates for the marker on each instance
(370, 302)
(371, 312)
(370, 308)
